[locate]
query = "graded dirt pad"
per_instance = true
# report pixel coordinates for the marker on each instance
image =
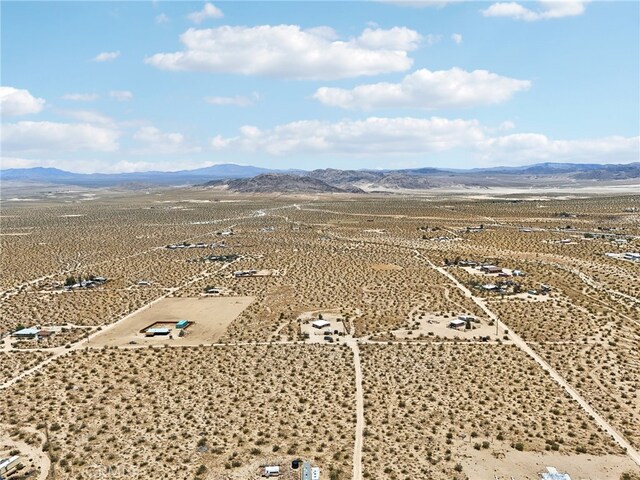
(481, 464)
(385, 267)
(211, 316)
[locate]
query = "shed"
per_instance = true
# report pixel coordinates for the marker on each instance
(182, 324)
(457, 323)
(271, 471)
(320, 324)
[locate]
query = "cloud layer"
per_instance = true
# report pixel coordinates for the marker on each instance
(81, 97)
(547, 9)
(237, 100)
(379, 136)
(287, 51)
(121, 95)
(14, 102)
(57, 137)
(427, 90)
(156, 142)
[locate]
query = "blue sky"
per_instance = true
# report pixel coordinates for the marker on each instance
(130, 86)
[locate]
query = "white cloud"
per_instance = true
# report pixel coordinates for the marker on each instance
(547, 9)
(14, 102)
(89, 116)
(287, 51)
(372, 136)
(406, 136)
(121, 95)
(396, 38)
(106, 56)
(432, 38)
(81, 97)
(158, 143)
(162, 18)
(427, 90)
(208, 11)
(457, 38)
(238, 100)
(51, 137)
(523, 148)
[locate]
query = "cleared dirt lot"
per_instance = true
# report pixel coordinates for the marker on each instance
(211, 316)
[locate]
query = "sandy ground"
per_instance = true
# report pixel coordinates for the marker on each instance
(483, 464)
(211, 315)
(382, 267)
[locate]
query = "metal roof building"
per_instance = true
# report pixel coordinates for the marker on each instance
(157, 331)
(26, 332)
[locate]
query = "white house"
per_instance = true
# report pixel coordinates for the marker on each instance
(320, 324)
(457, 323)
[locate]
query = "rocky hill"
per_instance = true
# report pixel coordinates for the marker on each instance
(280, 183)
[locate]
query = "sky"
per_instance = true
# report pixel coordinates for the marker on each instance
(137, 86)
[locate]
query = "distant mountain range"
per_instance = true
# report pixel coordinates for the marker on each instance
(250, 179)
(182, 177)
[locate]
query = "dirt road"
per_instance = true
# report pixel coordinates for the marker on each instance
(357, 448)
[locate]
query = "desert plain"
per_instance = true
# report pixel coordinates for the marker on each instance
(468, 335)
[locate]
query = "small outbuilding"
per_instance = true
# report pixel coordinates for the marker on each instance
(490, 269)
(182, 324)
(271, 471)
